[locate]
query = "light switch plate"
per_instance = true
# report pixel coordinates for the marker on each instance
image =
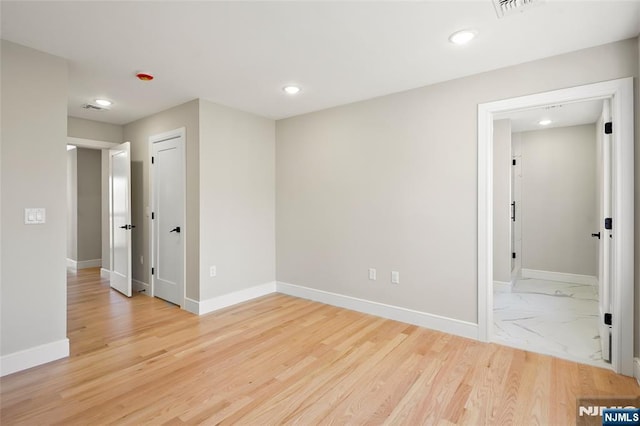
(34, 216)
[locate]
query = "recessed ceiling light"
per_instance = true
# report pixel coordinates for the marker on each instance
(544, 122)
(291, 90)
(103, 102)
(462, 37)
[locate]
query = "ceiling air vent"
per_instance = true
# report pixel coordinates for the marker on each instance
(511, 7)
(92, 107)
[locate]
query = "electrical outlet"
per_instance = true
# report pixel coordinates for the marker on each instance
(395, 277)
(372, 274)
(212, 271)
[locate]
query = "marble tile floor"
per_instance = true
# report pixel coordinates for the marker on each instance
(549, 317)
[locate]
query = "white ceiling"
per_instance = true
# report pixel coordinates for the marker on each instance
(241, 54)
(565, 115)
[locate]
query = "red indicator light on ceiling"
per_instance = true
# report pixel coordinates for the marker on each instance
(144, 76)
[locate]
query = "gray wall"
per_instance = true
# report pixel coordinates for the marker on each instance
(72, 204)
(502, 200)
(392, 182)
(237, 199)
(96, 130)
(559, 203)
(138, 133)
(105, 234)
(33, 169)
(89, 204)
(230, 195)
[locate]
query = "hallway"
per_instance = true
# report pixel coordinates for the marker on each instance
(550, 317)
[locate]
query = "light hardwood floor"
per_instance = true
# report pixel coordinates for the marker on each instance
(280, 359)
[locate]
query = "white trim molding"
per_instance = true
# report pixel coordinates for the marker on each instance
(226, 300)
(83, 264)
(560, 276)
(636, 369)
(503, 285)
(620, 94)
(32, 357)
(192, 306)
(90, 143)
(93, 263)
(105, 274)
(396, 313)
(140, 287)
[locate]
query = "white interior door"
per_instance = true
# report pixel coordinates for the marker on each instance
(120, 217)
(168, 218)
(605, 252)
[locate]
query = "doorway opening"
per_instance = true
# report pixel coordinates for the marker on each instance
(85, 207)
(619, 93)
(548, 287)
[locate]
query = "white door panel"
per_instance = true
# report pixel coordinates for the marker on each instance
(120, 217)
(168, 222)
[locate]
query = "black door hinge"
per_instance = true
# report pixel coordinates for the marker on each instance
(607, 319)
(513, 162)
(608, 128)
(608, 222)
(152, 160)
(153, 215)
(513, 255)
(153, 271)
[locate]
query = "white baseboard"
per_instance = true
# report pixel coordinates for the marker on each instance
(636, 369)
(502, 285)
(422, 319)
(92, 263)
(83, 264)
(140, 287)
(192, 306)
(226, 300)
(105, 274)
(21, 360)
(559, 276)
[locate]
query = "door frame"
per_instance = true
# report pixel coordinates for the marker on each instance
(620, 92)
(516, 228)
(179, 133)
(103, 147)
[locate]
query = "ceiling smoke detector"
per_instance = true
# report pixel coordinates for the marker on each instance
(511, 7)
